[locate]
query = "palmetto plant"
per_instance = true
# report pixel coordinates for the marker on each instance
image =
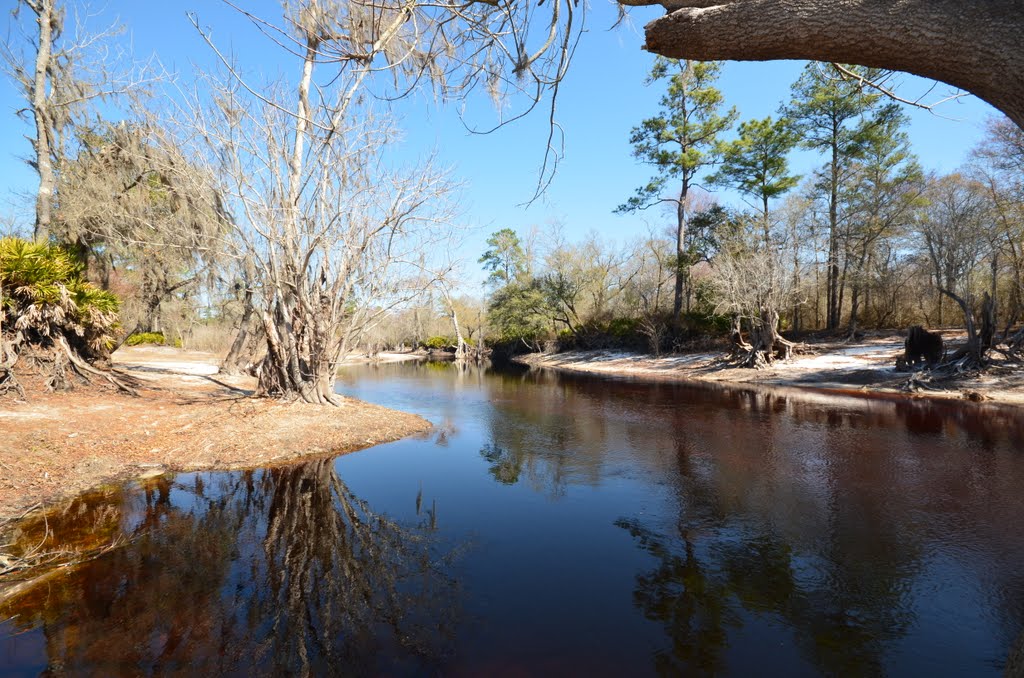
(46, 303)
(44, 293)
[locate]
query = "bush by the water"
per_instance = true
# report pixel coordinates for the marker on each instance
(438, 343)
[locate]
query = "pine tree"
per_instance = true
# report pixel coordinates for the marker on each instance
(679, 142)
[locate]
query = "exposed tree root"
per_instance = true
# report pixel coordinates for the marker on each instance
(963, 363)
(58, 368)
(1017, 340)
(9, 383)
(278, 382)
(85, 369)
(8, 358)
(919, 381)
(766, 346)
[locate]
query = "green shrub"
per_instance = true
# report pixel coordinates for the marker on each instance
(698, 322)
(438, 342)
(147, 338)
(623, 328)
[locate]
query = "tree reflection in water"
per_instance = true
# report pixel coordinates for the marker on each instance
(691, 605)
(792, 519)
(346, 585)
(836, 595)
(277, 572)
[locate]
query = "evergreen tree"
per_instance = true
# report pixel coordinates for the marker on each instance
(757, 164)
(882, 198)
(679, 142)
(505, 258)
(830, 115)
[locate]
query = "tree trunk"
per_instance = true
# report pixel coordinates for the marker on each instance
(795, 326)
(1017, 293)
(833, 239)
(44, 10)
(988, 324)
(150, 319)
(975, 46)
(764, 336)
(682, 270)
(232, 361)
(461, 347)
(977, 345)
(851, 327)
(288, 371)
(856, 292)
(739, 345)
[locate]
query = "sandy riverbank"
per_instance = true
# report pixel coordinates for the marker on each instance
(865, 367)
(55, 445)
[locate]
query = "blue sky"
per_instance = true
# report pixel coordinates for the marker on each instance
(600, 100)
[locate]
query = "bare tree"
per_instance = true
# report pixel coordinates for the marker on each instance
(61, 75)
(952, 231)
(583, 280)
(517, 52)
(649, 291)
(334, 236)
(462, 347)
(999, 166)
(332, 228)
(752, 283)
(957, 231)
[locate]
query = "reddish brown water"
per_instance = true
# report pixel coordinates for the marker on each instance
(564, 526)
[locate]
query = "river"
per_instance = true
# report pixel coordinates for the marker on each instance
(563, 525)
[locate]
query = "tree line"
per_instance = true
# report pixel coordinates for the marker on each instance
(868, 239)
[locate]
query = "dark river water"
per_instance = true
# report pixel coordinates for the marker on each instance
(555, 525)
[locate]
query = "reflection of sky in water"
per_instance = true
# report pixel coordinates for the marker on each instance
(562, 525)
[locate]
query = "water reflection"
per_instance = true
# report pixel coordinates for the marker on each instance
(279, 572)
(617, 528)
(832, 523)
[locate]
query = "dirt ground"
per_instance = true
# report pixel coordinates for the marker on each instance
(864, 366)
(188, 417)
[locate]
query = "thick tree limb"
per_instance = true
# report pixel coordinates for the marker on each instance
(975, 46)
